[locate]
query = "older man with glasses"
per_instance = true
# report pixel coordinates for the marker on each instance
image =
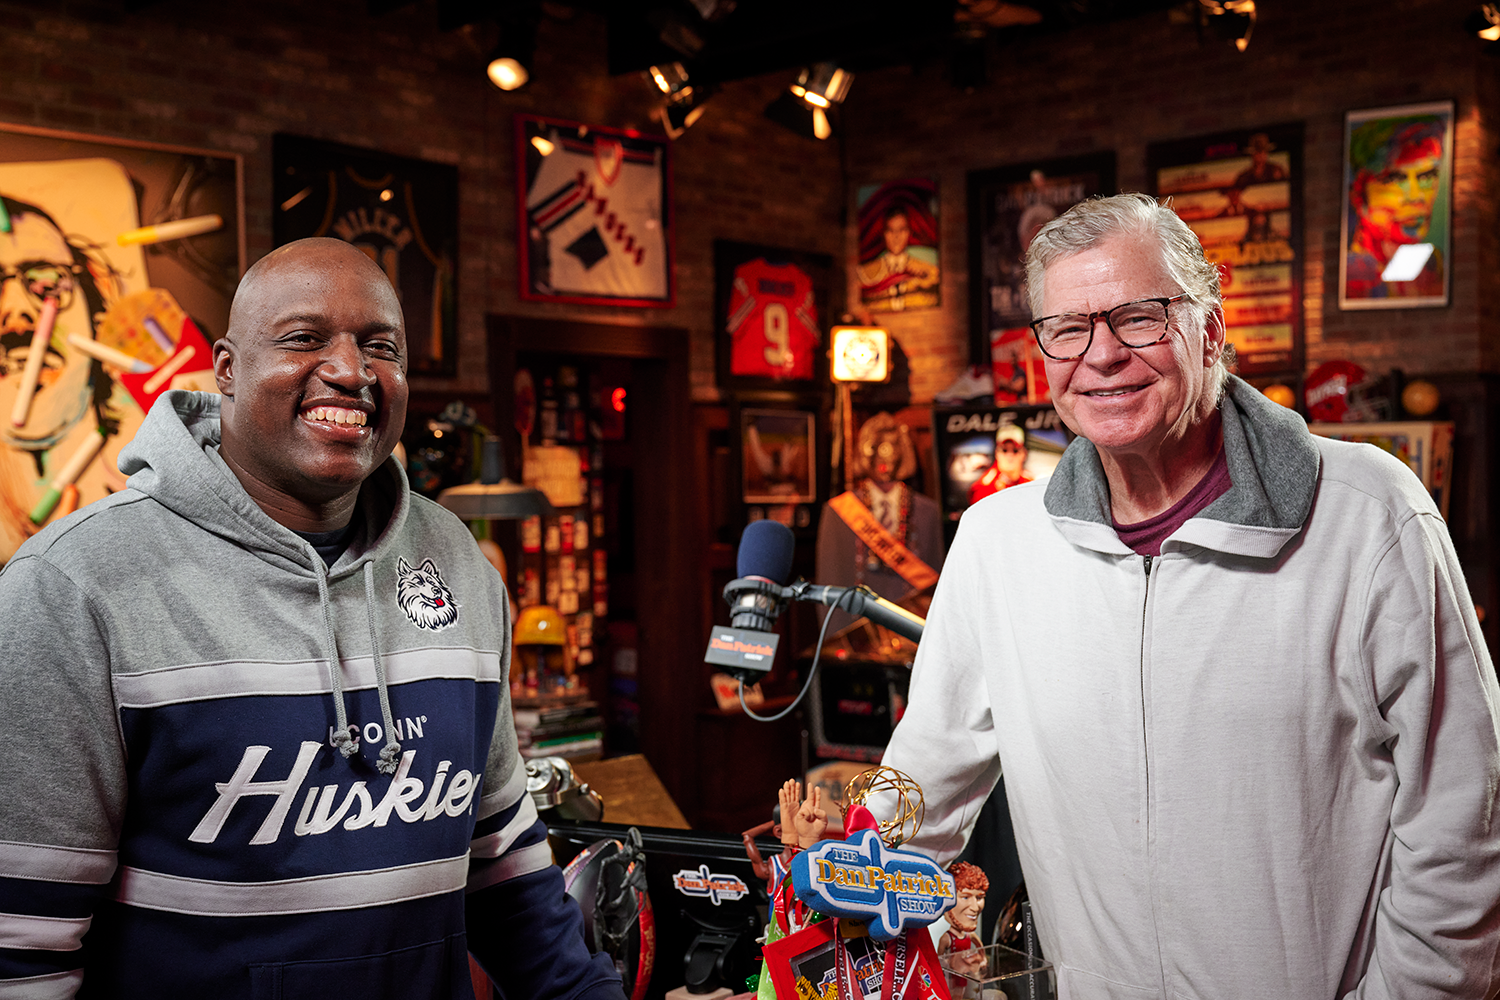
(1246, 716)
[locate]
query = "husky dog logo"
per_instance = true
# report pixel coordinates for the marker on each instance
(424, 596)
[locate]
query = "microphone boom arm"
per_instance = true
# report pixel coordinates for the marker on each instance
(862, 602)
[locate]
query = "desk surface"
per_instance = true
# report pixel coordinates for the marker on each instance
(631, 791)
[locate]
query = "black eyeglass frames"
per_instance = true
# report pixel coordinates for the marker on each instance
(1135, 324)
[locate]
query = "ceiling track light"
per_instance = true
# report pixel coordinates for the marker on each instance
(823, 85)
(1485, 22)
(1232, 20)
(808, 106)
(685, 100)
(509, 64)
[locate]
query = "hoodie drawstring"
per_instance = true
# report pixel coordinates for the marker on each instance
(346, 737)
(390, 754)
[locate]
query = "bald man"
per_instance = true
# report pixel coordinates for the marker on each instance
(260, 740)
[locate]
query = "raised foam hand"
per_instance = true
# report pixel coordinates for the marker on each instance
(811, 818)
(790, 800)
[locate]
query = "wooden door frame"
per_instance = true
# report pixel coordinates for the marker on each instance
(670, 648)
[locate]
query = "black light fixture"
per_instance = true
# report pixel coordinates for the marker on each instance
(509, 65)
(1231, 20)
(1485, 22)
(823, 85)
(807, 105)
(494, 496)
(684, 100)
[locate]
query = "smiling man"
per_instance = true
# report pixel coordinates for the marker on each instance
(1246, 717)
(262, 743)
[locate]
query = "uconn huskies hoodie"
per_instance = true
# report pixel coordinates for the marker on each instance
(233, 771)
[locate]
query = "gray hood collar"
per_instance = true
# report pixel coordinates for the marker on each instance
(174, 459)
(1273, 465)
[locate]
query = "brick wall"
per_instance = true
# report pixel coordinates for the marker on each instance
(227, 77)
(1123, 86)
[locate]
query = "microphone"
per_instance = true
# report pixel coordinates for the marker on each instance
(763, 565)
(759, 594)
(755, 598)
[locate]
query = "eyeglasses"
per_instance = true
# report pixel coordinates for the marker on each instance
(44, 280)
(1135, 324)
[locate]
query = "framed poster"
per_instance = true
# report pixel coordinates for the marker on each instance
(1241, 193)
(1007, 205)
(984, 449)
(778, 455)
(597, 205)
(770, 309)
(1398, 203)
(400, 211)
(100, 227)
(898, 265)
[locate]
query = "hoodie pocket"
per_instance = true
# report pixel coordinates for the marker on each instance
(436, 969)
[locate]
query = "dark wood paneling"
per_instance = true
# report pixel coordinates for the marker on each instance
(671, 638)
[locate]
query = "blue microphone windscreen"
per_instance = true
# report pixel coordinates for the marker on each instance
(766, 550)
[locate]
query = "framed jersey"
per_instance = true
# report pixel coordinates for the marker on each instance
(401, 211)
(596, 211)
(770, 306)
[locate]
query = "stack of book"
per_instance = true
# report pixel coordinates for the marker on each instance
(574, 731)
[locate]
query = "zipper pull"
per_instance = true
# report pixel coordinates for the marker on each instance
(1148, 565)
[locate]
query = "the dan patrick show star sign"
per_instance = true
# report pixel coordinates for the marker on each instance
(863, 879)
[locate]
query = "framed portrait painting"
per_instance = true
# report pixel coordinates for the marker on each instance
(1241, 193)
(402, 212)
(138, 247)
(1396, 236)
(1007, 205)
(898, 265)
(770, 309)
(596, 210)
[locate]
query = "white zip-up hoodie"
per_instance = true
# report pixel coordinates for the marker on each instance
(1264, 764)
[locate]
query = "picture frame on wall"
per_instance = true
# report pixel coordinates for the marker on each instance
(778, 456)
(595, 205)
(1396, 237)
(401, 211)
(771, 310)
(1240, 192)
(898, 264)
(142, 246)
(984, 449)
(1007, 205)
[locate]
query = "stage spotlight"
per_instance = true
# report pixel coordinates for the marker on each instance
(1231, 20)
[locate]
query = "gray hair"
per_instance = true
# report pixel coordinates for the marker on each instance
(1092, 222)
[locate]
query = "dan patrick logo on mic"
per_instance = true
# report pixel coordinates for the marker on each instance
(741, 648)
